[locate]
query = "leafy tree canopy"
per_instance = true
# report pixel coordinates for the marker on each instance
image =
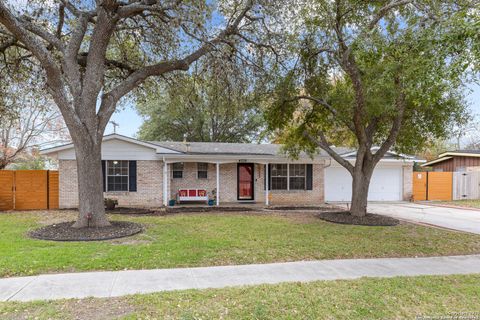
(377, 75)
(215, 102)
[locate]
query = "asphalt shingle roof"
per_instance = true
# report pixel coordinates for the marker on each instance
(230, 148)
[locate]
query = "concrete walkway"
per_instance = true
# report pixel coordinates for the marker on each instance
(466, 220)
(118, 283)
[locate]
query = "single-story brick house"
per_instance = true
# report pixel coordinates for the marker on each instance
(150, 173)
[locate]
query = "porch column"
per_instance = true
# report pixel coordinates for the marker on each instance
(267, 177)
(218, 183)
(165, 183)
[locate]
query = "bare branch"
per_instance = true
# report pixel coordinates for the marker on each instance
(382, 12)
(327, 106)
(323, 144)
(51, 39)
(110, 99)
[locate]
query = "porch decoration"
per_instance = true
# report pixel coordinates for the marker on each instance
(110, 203)
(192, 195)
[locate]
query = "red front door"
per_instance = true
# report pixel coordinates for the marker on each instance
(245, 181)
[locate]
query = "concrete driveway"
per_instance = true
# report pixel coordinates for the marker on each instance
(452, 218)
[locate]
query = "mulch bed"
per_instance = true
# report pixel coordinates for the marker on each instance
(206, 209)
(344, 217)
(134, 211)
(298, 208)
(64, 232)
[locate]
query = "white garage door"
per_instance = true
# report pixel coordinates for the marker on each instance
(385, 185)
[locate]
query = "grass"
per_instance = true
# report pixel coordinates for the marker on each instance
(463, 203)
(366, 298)
(216, 239)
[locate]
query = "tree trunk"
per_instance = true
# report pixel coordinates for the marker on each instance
(91, 210)
(360, 185)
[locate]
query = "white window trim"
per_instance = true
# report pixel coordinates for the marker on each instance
(288, 177)
(106, 177)
(304, 176)
(202, 171)
(272, 176)
(173, 170)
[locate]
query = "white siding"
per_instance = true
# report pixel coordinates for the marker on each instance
(117, 150)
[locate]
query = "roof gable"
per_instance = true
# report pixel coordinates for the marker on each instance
(112, 137)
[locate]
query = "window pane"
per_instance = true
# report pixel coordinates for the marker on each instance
(279, 183)
(202, 169)
(177, 169)
(279, 169)
(297, 183)
(117, 175)
(297, 170)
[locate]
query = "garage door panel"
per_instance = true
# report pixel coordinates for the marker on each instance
(385, 185)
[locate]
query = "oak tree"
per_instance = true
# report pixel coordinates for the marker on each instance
(378, 74)
(94, 53)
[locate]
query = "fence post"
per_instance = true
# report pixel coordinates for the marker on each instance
(48, 189)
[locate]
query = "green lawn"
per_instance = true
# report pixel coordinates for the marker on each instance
(367, 298)
(216, 239)
(462, 203)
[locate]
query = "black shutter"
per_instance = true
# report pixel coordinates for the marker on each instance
(309, 177)
(265, 176)
(103, 175)
(132, 176)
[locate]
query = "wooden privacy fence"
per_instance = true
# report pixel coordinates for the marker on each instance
(28, 189)
(466, 185)
(432, 186)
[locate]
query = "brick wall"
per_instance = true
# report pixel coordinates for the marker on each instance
(228, 184)
(407, 182)
(68, 184)
(299, 197)
(149, 186)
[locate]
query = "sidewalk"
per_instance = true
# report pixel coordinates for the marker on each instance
(118, 283)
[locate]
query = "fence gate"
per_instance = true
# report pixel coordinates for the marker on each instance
(6, 190)
(28, 190)
(420, 186)
(31, 189)
(433, 186)
(466, 185)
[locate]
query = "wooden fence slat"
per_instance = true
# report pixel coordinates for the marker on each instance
(53, 190)
(419, 186)
(6, 190)
(31, 189)
(440, 185)
(466, 185)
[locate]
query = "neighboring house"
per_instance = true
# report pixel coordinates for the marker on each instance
(141, 173)
(456, 161)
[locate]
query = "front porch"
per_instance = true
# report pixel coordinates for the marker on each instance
(229, 183)
(242, 182)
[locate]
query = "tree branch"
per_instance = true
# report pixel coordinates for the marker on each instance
(323, 144)
(327, 106)
(397, 123)
(110, 99)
